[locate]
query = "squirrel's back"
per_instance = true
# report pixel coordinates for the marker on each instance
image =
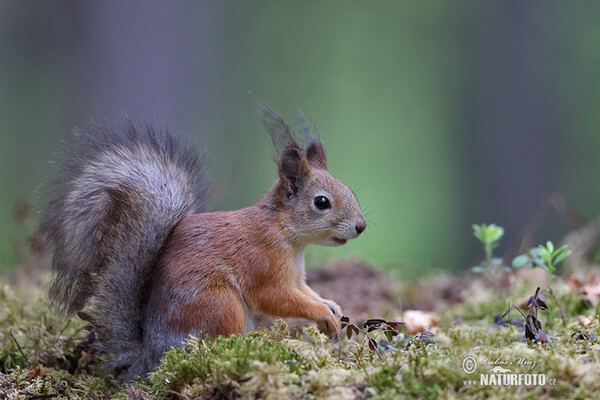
(119, 193)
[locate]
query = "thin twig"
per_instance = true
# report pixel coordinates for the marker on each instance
(562, 312)
(508, 311)
(18, 345)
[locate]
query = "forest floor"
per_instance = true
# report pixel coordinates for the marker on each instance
(455, 344)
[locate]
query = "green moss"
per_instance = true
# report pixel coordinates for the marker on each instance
(221, 365)
(44, 338)
(51, 358)
(272, 364)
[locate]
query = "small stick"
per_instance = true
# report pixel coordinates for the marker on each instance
(18, 345)
(562, 311)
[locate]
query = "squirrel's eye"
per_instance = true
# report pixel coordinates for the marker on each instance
(322, 203)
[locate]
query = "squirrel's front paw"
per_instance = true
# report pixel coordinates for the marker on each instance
(334, 307)
(330, 323)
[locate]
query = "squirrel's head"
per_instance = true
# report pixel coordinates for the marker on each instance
(313, 206)
(316, 207)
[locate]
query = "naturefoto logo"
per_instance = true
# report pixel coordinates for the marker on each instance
(495, 372)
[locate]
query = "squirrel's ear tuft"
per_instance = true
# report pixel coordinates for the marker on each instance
(293, 169)
(315, 154)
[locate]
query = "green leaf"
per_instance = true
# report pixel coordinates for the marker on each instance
(478, 232)
(545, 255)
(544, 251)
(547, 260)
(535, 252)
(551, 269)
(488, 234)
(494, 233)
(557, 251)
(562, 256)
(496, 261)
(550, 247)
(520, 261)
(477, 228)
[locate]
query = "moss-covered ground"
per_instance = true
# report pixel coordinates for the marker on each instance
(43, 356)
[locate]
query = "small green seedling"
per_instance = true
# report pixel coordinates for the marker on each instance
(546, 257)
(489, 236)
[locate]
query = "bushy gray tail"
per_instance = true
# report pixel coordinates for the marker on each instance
(119, 194)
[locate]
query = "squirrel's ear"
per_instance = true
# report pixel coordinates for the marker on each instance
(293, 169)
(315, 154)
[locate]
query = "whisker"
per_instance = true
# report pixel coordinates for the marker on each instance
(358, 190)
(366, 208)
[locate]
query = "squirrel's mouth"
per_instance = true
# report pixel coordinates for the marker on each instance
(339, 241)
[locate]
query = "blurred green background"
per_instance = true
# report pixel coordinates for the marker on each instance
(438, 114)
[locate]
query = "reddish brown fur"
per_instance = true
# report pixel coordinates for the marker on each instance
(260, 261)
(127, 251)
(216, 266)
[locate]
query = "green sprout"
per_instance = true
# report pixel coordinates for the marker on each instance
(546, 257)
(489, 236)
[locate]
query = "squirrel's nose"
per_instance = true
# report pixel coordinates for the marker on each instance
(360, 227)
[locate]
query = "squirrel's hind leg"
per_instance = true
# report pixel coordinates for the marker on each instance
(215, 311)
(220, 311)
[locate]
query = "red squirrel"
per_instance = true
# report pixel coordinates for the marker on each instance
(134, 253)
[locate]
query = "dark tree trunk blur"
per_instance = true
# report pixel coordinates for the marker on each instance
(510, 114)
